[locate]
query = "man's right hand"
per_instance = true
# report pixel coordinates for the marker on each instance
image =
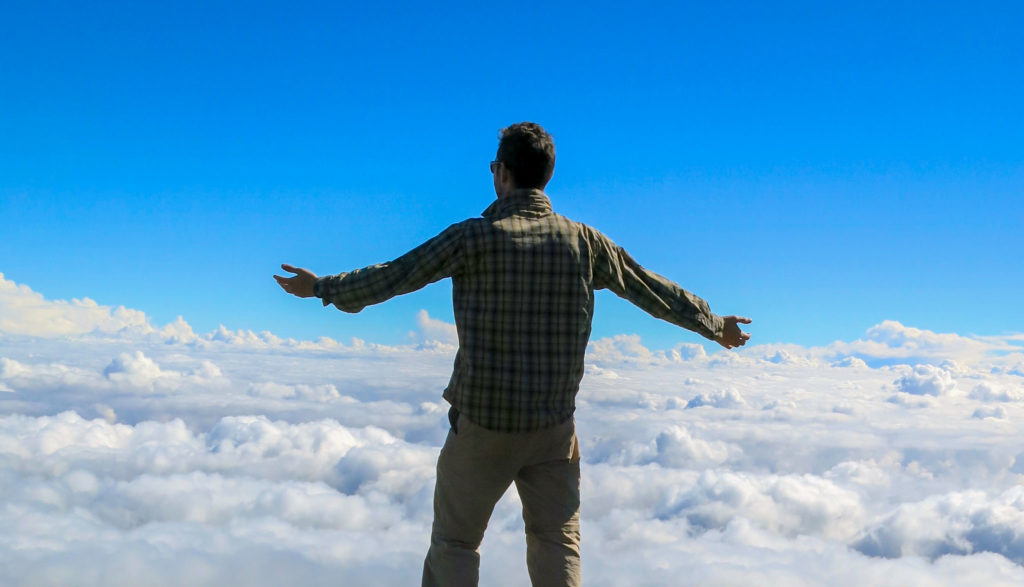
(732, 336)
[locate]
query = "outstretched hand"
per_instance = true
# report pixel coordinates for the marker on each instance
(732, 336)
(301, 284)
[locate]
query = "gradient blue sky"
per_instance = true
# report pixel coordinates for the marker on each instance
(817, 167)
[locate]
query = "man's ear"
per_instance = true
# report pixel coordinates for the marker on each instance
(506, 178)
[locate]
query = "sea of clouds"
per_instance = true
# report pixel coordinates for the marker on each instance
(135, 454)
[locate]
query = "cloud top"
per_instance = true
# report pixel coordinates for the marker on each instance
(134, 454)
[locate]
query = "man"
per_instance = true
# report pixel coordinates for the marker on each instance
(523, 292)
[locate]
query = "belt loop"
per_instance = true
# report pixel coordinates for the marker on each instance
(453, 419)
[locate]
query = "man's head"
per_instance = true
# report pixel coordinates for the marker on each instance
(527, 153)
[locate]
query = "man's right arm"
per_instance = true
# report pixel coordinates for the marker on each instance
(662, 298)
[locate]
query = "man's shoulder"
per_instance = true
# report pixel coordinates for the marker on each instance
(552, 219)
(587, 230)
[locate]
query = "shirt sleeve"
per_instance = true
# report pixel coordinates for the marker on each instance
(434, 260)
(662, 298)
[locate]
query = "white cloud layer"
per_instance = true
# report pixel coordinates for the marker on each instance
(135, 454)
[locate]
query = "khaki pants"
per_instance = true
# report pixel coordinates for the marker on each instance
(474, 469)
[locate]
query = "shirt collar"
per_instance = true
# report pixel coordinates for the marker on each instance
(521, 202)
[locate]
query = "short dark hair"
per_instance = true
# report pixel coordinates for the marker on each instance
(528, 152)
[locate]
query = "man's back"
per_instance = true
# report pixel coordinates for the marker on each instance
(523, 299)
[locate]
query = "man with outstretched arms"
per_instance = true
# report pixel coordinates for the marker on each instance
(523, 281)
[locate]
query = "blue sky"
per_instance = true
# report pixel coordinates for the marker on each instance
(818, 168)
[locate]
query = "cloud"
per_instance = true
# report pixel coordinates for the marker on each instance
(628, 348)
(622, 347)
(912, 401)
(892, 341)
(990, 392)
(850, 362)
(39, 376)
(719, 398)
(435, 333)
(676, 448)
(788, 505)
(142, 454)
(927, 380)
(957, 523)
(865, 474)
(247, 484)
(270, 389)
(994, 412)
(134, 369)
(25, 312)
(673, 447)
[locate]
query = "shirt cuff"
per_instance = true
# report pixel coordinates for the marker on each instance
(318, 290)
(717, 325)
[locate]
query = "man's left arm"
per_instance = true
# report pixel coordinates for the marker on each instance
(352, 291)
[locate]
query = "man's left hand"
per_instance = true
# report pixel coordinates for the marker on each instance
(301, 284)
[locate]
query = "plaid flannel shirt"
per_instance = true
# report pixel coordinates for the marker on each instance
(523, 283)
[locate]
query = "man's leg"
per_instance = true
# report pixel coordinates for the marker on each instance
(550, 492)
(471, 478)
